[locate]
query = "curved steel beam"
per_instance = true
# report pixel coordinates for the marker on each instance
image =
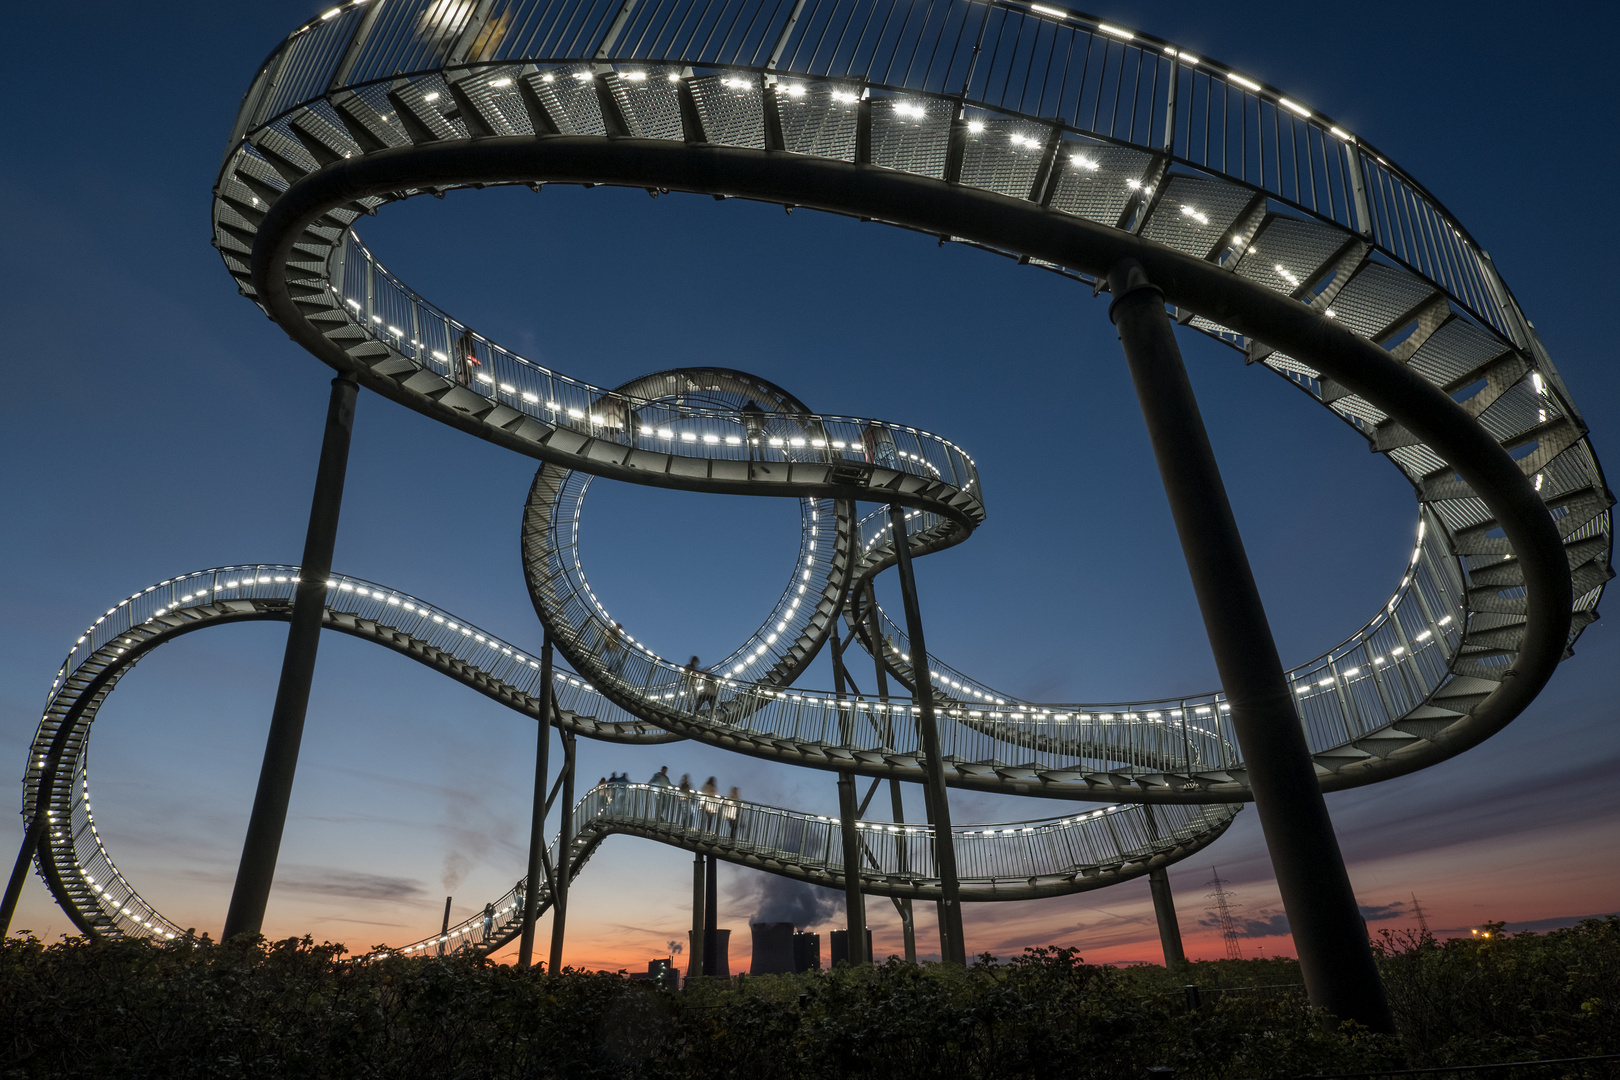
(997, 221)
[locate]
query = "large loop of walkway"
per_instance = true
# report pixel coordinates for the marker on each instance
(1032, 132)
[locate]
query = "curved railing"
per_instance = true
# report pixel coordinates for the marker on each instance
(1018, 860)
(1037, 132)
(1358, 690)
(1372, 251)
(1017, 66)
(80, 871)
(89, 885)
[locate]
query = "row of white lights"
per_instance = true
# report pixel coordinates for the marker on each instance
(573, 413)
(1191, 60)
(474, 925)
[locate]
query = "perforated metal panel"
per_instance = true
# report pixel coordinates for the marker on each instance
(569, 97)
(1003, 156)
(818, 119)
(1194, 215)
(1377, 297)
(1455, 350)
(648, 101)
(1287, 253)
(382, 123)
(1095, 182)
(494, 92)
(911, 134)
(428, 98)
(732, 108)
(324, 127)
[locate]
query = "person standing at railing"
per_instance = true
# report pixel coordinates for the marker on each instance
(613, 646)
(517, 898)
(729, 811)
(685, 810)
(489, 921)
(466, 356)
(699, 684)
(612, 413)
(879, 445)
(709, 796)
(660, 784)
(753, 418)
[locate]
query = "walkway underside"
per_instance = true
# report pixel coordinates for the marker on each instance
(1014, 861)
(1303, 248)
(1090, 849)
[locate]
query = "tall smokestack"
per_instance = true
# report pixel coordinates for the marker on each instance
(773, 948)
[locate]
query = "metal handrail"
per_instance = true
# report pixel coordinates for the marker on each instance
(178, 605)
(1034, 63)
(999, 861)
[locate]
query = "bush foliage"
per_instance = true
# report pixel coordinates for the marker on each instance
(255, 1009)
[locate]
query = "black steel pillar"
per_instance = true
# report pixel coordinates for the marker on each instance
(257, 869)
(1329, 935)
(32, 835)
(952, 944)
(902, 904)
(854, 902)
(1164, 909)
(564, 871)
(694, 962)
(711, 915)
(537, 819)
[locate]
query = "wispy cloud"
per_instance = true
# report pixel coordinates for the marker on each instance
(349, 884)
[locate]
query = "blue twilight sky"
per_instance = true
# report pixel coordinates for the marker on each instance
(156, 423)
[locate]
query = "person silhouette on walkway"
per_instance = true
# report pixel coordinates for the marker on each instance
(660, 783)
(753, 418)
(686, 799)
(879, 444)
(730, 810)
(489, 920)
(466, 353)
(700, 684)
(709, 795)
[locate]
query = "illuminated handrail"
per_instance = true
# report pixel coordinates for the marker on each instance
(102, 895)
(1025, 62)
(109, 646)
(1008, 861)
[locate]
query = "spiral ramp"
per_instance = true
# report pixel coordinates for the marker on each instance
(1292, 241)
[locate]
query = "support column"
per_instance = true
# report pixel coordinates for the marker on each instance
(537, 818)
(694, 962)
(901, 904)
(952, 944)
(1329, 935)
(711, 916)
(854, 902)
(564, 871)
(257, 869)
(1164, 908)
(34, 833)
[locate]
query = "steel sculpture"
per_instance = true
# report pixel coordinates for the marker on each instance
(1030, 131)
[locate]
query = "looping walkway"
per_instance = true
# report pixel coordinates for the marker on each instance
(1032, 132)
